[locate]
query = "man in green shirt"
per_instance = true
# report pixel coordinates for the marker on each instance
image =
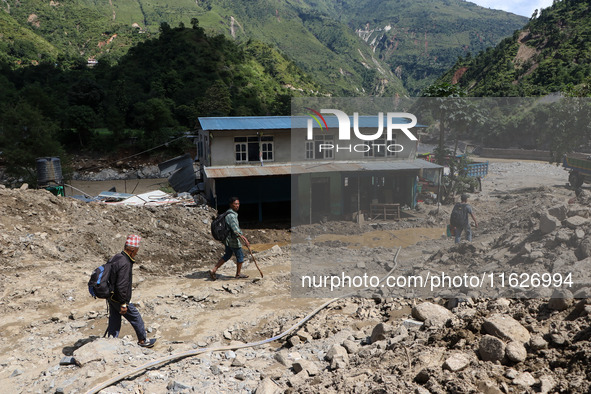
(232, 242)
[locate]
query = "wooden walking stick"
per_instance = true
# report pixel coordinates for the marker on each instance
(255, 262)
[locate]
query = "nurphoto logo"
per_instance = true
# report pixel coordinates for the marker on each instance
(344, 121)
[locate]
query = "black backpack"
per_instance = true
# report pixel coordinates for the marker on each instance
(457, 218)
(99, 285)
(219, 228)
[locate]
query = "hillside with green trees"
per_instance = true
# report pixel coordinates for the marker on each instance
(532, 90)
(552, 53)
(422, 39)
(20, 45)
(77, 30)
(106, 30)
(152, 95)
(350, 47)
(541, 78)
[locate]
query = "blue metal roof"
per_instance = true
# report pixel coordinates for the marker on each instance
(281, 122)
(245, 123)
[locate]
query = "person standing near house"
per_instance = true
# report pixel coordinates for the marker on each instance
(232, 242)
(120, 300)
(465, 209)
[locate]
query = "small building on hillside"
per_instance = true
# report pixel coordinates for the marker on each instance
(280, 168)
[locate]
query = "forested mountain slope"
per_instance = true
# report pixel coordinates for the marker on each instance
(152, 95)
(350, 47)
(421, 39)
(550, 54)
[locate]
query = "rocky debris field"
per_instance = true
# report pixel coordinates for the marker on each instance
(470, 342)
(100, 169)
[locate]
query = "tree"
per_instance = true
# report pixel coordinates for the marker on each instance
(25, 135)
(568, 129)
(195, 24)
(165, 28)
(445, 109)
(456, 115)
(217, 101)
(154, 116)
(80, 120)
(86, 92)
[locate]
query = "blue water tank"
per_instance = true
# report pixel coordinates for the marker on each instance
(49, 171)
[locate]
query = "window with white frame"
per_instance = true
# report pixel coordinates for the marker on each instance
(309, 149)
(240, 149)
(381, 148)
(393, 148)
(253, 148)
(322, 147)
(267, 150)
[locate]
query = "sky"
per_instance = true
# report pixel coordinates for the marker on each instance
(519, 7)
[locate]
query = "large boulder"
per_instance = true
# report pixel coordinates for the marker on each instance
(558, 211)
(585, 248)
(381, 332)
(267, 386)
(516, 352)
(506, 328)
(575, 222)
(548, 223)
(98, 350)
(491, 348)
(436, 314)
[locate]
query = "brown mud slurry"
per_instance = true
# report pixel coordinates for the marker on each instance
(373, 239)
(130, 186)
(265, 246)
(387, 239)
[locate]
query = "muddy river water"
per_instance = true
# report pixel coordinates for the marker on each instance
(131, 186)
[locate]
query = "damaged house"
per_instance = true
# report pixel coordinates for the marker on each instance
(285, 167)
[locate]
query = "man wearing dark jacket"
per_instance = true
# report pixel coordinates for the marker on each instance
(120, 300)
(466, 210)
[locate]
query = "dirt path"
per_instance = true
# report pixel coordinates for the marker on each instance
(506, 175)
(50, 245)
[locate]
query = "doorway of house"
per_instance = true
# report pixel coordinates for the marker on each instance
(320, 198)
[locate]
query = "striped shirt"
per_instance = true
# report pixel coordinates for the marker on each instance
(233, 239)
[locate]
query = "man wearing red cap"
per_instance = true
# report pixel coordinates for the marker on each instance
(119, 302)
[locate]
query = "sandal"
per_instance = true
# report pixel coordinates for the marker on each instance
(148, 343)
(241, 276)
(212, 275)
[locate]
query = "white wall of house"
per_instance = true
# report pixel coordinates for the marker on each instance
(219, 147)
(355, 149)
(223, 146)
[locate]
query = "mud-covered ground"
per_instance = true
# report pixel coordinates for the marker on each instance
(494, 344)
